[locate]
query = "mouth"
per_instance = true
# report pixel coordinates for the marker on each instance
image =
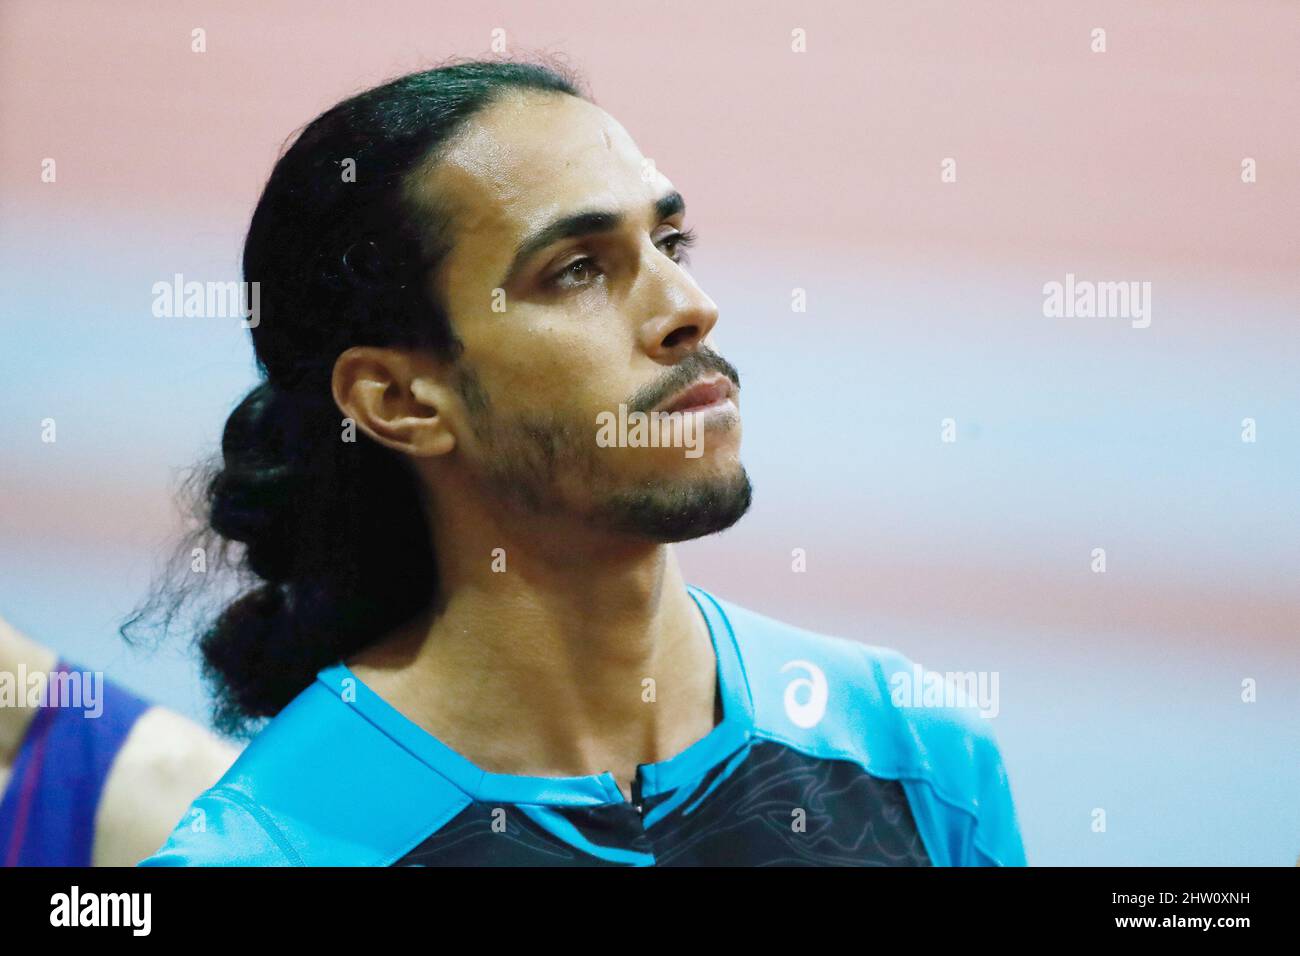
(704, 394)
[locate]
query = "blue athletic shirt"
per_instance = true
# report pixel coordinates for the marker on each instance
(811, 764)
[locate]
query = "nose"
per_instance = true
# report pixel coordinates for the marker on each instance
(681, 316)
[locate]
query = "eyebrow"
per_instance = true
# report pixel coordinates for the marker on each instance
(582, 224)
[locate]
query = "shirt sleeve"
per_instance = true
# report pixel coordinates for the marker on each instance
(997, 836)
(221, 828)
(953, 773)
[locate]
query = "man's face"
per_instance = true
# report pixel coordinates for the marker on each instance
(558, 332)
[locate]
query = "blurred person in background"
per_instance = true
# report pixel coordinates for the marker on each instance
(98, 783)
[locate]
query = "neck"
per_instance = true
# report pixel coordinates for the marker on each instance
(574, 657)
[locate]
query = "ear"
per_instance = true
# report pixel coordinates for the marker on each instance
(400, 399)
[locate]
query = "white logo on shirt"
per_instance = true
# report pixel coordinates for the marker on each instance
(810, 712)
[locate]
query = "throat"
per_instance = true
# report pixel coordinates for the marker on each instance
(629, 781)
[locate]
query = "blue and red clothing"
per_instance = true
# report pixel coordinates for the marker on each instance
(47, 811)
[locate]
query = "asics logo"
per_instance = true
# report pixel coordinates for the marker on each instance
(809, 712)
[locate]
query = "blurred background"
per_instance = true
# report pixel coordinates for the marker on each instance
(816, 170)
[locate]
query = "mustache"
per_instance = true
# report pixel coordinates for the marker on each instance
(697, 363)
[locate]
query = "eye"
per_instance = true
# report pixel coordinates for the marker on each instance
(583, 269)
(573, 274)
(679, 241)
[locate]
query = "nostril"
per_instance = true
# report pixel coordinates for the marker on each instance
(677, 336)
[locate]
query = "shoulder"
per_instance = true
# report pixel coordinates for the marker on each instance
(320, 785)
(831, 697)
(222, 828)
(164, 763)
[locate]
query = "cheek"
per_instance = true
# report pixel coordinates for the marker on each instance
(544, 364)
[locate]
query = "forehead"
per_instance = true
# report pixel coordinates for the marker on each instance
(526, 159)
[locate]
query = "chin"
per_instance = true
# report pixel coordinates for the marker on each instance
(670, 510)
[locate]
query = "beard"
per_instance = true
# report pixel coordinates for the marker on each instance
(531, 461)
(678, 511)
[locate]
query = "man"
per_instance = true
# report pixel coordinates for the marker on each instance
(92, 777)
(471, 633)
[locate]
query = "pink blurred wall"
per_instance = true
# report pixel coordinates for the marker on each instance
(817, 170)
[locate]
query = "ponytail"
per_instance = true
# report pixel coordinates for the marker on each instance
(324, 528)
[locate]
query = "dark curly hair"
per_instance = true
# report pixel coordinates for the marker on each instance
(326, 538)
